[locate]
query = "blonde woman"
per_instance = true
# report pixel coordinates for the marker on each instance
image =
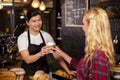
(99, 57)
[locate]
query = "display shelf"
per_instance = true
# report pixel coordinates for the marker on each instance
(59, 38)
(59, 28)
(58, 23)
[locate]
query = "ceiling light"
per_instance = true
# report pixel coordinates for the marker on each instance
(25, 11)
(7, 4)
(25, 0)
(35, 4)
(1, 6)
(42, 6)
(8, 12)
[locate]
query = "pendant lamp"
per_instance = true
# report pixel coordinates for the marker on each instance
(35, 4)
(1, 6)
(42, 6)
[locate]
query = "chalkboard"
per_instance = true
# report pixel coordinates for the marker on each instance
(74, 11)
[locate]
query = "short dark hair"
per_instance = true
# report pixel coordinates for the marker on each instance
(31, 13)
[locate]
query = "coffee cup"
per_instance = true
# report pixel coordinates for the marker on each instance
(51, 46)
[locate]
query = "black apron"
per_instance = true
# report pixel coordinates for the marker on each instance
(40, 64)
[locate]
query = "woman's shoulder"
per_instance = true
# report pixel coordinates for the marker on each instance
(100, 54)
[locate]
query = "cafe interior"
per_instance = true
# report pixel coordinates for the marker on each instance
(63, 20)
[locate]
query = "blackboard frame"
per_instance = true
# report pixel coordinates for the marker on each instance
(73, 11)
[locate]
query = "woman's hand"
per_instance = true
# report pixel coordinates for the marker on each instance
(72, 72)
(57, 50)
(61, 53)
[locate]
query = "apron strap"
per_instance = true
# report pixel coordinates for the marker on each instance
(40, 35)
(28, 37)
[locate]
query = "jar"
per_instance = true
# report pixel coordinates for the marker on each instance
(20, 72)
(116, 73)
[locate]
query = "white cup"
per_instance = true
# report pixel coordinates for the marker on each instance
(51, 44)
(19, 73)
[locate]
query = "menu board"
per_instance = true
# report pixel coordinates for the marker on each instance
(74, 11)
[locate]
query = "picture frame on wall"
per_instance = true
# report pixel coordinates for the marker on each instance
(74, 11)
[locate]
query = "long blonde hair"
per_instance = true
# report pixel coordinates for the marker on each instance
(98, 36)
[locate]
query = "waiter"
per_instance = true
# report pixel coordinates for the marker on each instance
(31, 46)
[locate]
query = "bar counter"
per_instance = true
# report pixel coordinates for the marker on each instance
(17, 63)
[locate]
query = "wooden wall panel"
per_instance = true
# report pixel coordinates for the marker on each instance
(73, 41)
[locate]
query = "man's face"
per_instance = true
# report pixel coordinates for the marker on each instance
(35, 23)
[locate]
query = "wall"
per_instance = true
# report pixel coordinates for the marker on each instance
(4, 20)
(73, 39)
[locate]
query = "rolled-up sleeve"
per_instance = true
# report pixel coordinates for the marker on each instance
(22, 43)
(74, 63)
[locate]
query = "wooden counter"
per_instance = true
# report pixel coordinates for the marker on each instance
(14, 64)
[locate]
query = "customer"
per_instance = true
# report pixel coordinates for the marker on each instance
(31, 45)
(99, 57)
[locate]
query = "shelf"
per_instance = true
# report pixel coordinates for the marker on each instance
(58, 24)
(59, 17)
(59, 38)
(59, 28)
